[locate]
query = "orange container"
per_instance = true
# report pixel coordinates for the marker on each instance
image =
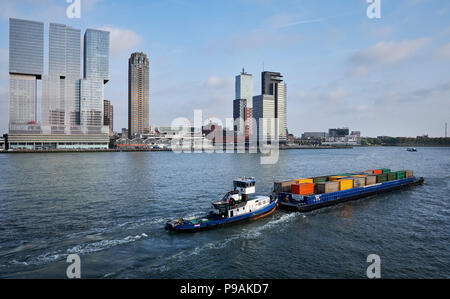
(377, 171)
(302, 189)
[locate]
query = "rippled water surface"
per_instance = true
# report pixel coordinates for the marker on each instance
(110, 208)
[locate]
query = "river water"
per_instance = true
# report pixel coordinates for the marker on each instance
(110, 209)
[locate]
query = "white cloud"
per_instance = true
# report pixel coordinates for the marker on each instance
(444, 52)
(217, 82)
(384, 53)
(389, 52)
(122, 41)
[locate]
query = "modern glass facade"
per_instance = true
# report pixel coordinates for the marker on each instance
(64, 51)
(272, 84)
(71, 108)
(264, 108)
(96, 54)
(244, 88)
(138, 94)
(22, 99)
(26, 47)
(91, 104)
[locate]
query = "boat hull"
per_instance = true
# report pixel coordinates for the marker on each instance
(269, 209)
(301, 207)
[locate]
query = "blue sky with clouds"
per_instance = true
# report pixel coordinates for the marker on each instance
(388, 76)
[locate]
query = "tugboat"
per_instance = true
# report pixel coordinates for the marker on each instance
(234, 207)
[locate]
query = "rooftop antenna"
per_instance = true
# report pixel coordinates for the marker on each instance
(243, 70)
(263, 67)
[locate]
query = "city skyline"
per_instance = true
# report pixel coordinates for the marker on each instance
(384, 77)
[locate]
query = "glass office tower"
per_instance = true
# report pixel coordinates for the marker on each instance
(96, 74)
(26, 47)
(26, 65)
(96, 55)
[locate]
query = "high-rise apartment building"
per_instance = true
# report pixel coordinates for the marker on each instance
(272, 84)
(138, 94)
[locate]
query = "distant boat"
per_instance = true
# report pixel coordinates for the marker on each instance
(411, 149)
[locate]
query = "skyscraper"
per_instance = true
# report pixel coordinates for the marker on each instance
(272, 84)
(264, 111)
(96, 55)
(243, 104)
(71, 108)
(138, 94)
(26, 66)
(96, 74)
(61, 87)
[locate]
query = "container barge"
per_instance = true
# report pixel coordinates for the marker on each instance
(305, 195)
(235, 206)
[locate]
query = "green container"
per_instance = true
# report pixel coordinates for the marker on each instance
(392, 176)
(386, 170)
(401, 175)
(381, 178)
(320, 180)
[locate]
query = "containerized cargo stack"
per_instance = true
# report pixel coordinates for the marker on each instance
(345, 184)
(284, 186)
(409, 173)
(327, 187)
(302, 189)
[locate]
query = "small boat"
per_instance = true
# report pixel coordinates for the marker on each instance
(234, 207)
(411, 149)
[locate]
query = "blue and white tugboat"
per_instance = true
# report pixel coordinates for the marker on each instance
(235, 206)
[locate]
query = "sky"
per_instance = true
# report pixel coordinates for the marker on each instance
(387, 76)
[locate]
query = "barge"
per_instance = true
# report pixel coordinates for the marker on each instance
(351, 187)
(235, 206)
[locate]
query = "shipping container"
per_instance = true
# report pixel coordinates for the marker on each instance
(303, 189)
(377, 171)
(283, 186)
(359, 182)
(386, 170)
(392, 176)
(381, 178)
(304, 181)
(371, 180)
(401, 175)
(327, 187)
(320, 179)
(345, 184)
(336, 177)
(409, 173)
